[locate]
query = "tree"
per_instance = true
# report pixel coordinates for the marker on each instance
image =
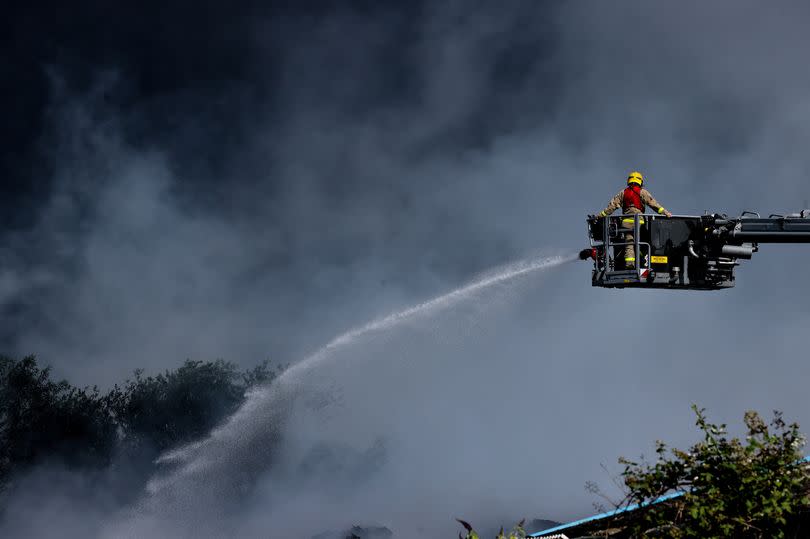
(42, 420)
(45, 420)
(179, 406)
(731, 488)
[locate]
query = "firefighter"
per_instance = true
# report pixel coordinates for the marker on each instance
(632, 200)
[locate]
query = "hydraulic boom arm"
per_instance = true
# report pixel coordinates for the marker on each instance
(794, 228)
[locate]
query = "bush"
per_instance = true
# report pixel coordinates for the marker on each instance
(732, 488)
(517, 532)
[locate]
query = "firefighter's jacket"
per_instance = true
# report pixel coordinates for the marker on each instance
(617, 202)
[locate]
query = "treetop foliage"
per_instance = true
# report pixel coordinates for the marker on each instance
(46, 421)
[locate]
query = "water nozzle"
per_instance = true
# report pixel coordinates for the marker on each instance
(585, 254)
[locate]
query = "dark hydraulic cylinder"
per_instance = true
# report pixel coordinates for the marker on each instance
(738, 251)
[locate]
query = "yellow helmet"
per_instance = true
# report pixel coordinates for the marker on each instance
(636, 178)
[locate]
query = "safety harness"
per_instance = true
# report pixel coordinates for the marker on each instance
(632, 199)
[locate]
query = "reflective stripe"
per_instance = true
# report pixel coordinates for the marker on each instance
(631, 221)
(630, 259)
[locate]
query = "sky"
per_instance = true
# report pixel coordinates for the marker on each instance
(202, 181)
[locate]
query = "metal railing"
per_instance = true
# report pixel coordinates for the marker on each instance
(612, 228)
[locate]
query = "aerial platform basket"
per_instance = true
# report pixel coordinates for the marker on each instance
(683, 252)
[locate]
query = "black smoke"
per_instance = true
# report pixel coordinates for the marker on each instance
(208, 180)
